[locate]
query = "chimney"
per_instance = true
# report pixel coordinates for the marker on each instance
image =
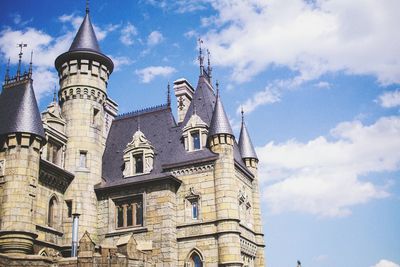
(184, 93)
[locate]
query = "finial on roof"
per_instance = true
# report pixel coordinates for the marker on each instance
(209, 68)
(21, 45)
(30, 66)
(87, 6)
(242, 114)
(217, 85)
(138, 123)
(194, 108)
(7, 76)
(201, 58)
(55, 95)
(168, 95)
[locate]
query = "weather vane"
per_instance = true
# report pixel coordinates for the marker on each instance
(21, 46)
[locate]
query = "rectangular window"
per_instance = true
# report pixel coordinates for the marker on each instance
(196, 140)
(69, 208)
(95, 116)
(129, 212)
(82, 159)
(138, 161)
(195, 210)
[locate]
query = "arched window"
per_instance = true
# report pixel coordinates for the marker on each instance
(195, 259)
(51, 215)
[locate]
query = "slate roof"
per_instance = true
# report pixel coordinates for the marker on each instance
(19, 112)
(219, 122)
(245, 144)
(160, 128)
(165, 135)
(85, 39)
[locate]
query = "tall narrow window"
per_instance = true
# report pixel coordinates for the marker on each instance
(138, 160)
(129, 212)
(95, 116)
(69, 208)
(196, 140)
(196, 260)
(51, 215)
(82, 159)
(54, 152)
(195, 210)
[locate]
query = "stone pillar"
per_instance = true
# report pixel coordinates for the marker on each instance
(82, 97)
(226, 201)
(252, 165)
(17, 228)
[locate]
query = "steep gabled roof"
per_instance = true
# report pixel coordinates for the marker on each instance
(219, 122)
(85, 39)
(245, 144)
(19, 112)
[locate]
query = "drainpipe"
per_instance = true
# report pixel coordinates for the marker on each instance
(75, 226)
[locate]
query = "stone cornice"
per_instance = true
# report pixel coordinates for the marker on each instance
(53, 176)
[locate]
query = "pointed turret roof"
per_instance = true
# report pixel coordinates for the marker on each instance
(19, 112)
(245, 144)
(85, 46)
(85, 39)
(219, 122)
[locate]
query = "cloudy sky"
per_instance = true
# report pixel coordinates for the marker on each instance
(319, 81)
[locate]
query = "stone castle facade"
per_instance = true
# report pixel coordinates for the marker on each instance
(83, 186)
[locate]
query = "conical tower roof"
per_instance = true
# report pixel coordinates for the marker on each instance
(219, 122)
(19, 112)
(85, 46)
(85, 39)
(245, 144)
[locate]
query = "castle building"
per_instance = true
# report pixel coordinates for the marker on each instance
(83, 186)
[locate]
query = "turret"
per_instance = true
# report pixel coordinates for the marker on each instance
(83, 77)
(21, 138)
(249, 157)
(221, 141)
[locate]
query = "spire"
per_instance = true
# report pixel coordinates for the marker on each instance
(209, 68)
(21, 45)
(55, 95)
(85, 39)
(168, 95)
(245, 144)
(87, 6)
(30, 66)
(219, 121)
(201, 57)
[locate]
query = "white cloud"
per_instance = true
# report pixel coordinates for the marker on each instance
(309, 37)
(182, 6)
(323, 85)
(121, 61)
(390, 99)
(323, 176)
(148, 74)
(44, 81)
(155, 37)
(268, 96)
(127, 34)
(386, 263)
(191, 34)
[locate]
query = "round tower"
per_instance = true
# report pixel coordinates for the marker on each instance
(83, 76)
(249, 157)
(221, 140)
(21, 138)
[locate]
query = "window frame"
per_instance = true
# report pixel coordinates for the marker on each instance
(125, 202)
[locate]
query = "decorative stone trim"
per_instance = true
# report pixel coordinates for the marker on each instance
(193, 170)
(246, 180)
(82, 93)
(135, 230)
(54, 177)
(248, 247)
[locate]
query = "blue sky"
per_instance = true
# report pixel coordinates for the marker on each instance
(319, 83)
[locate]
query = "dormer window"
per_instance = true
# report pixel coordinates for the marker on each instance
(195, 133)
(138, 156)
